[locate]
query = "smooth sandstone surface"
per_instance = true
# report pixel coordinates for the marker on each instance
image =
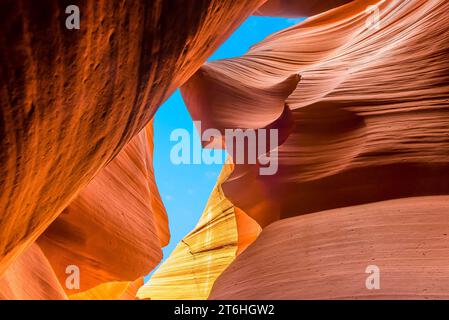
(363, 108)
(70, 100)
(359, 94)
(31, 277)
(111, 229)
(191, 269)
(110, 291)
(295, 8)
(247, 230)
(324, 255)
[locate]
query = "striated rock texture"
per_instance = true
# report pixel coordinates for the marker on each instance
(31, 277)
(114, 229)
(111, 291)
(359, 95)
(295, 8)
(70, 100)
(324, 255)
(367, 108)
(222, 233)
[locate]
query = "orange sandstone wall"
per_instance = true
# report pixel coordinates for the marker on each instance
(295, 8)
(324, 255)
(363, 111)
(362, 108)
(110, 231)
(31, 277)
(111, 291)
(70, 100)
(222, 233)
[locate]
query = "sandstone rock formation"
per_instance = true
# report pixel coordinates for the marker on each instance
(222, 233)
(359, 94)
(370, 114)
(115, 228)
(294, 8)
(324, 255)
(111, 291)
(31, 277)
(70, 100)
(371, 123)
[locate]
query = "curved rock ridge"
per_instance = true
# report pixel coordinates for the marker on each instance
(247, 230)
(222, 233)
(359, 95)
(31, 277)
(156, 204)
(295, 8)
(111, 291)
(111, 230)
(325, 255)
(370, 110)
(70, 100)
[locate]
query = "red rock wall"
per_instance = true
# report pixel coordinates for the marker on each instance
(31, 277)
(369, 107)
(294, 8)
(324, 255)
(362, 109)
(71, 99)
(110, 230)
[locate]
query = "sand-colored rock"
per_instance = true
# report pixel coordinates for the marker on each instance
(370, 112)
(31, 277)
(111, 230)
(324, 255)
(111, 291)
(70, 100)
(205, 252)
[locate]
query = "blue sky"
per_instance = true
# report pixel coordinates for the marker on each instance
(185, 188)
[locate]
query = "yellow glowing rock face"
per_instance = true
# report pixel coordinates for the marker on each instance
(110, 291)
(202, 255)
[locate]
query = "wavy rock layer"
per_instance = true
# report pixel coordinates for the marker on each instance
(295, 8)
(205, 252)
(156, 204)
(31, 277)
(71, 99)
(370, 111)
(111, 230)
(324, 255)
(111, 291)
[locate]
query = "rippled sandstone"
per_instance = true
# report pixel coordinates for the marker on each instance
(361, 106)
(72, 99)
(369, 108)
(325, 255)
(366, 122)
(222, 233)
(31, 277)
(116, 226)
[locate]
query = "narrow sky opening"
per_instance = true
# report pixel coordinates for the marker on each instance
(185, 189)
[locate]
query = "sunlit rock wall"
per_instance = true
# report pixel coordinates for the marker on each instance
(70, 100)
(31, 277)
(370, 110)
(370, 114)
(359, 94)
(222, 233)
(110, 231)
(325, 255)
